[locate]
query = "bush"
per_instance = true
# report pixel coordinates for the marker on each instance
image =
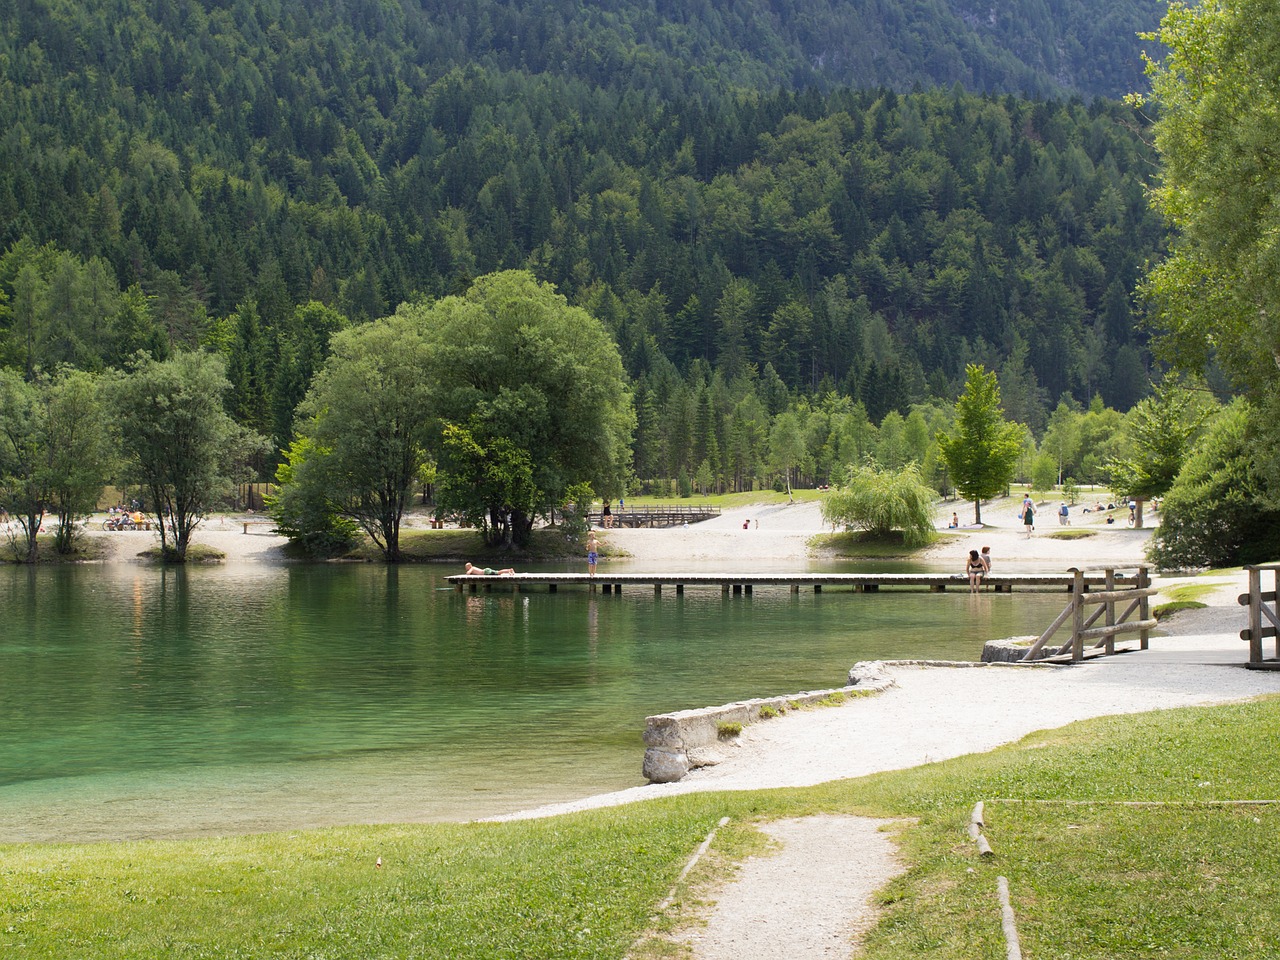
(1214, 514)
(880, 501)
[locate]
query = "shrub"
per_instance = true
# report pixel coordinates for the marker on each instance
(880, 501)
(727, 729)
(1214, 514)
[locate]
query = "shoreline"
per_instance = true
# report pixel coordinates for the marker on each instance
(930, 713)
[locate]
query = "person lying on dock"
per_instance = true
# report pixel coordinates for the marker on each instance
(474, 571)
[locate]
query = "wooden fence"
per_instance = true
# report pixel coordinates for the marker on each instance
(1101, 639)
(655, 515)
(1256, 600)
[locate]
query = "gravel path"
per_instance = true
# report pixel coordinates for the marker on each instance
(810, 898)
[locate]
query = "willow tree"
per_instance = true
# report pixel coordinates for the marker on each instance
(981, 451)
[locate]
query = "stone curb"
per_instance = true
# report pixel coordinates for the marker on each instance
(678, 742)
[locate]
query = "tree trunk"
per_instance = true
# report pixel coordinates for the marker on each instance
(977, 511)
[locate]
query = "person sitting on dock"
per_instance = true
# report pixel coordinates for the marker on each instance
(474, 571)
(985, 557)
(975, 568)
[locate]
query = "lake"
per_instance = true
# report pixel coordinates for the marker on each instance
(140, 701)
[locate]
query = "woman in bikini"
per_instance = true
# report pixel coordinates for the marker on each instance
(975, 568)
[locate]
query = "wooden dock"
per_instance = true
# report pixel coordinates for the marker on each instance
(740, 583)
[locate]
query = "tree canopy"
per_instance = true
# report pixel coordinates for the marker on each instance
(524, 373)
(364, 428)
(177, 441)
(1217, 293)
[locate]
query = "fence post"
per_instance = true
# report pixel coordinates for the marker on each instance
(1077, 615)
(1111, 610)
(1255, 614)
(1144, 607)
(1275, 600)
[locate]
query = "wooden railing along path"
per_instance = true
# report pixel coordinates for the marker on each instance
(1256, 600)
(655, 515)
(1102, 639)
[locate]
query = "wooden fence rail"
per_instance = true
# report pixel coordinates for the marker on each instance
(1137, 598)
(1256, 600)
(654, 514)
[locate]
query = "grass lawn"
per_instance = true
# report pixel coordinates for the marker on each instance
(13, 549)
(1089, 878)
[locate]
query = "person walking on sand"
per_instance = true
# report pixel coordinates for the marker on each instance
(593, 553)
(1028, 516)
(1064, 515)
(975, 569)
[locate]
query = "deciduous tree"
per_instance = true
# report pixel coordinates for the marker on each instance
(982, 449)
(511, 360)
(366, 425)
(177, 440)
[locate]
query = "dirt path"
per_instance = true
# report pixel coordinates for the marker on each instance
(810, 897)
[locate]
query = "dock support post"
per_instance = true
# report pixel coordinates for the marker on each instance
(795, 588)
(606, 588)
(679, 589)
(737, 589)
(657, 589)
(817, 588)
(617, 588)
(724, 589)
(747, 589)
(938, 588)
(551, 588)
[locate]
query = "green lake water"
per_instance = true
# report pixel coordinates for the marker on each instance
(137, 701)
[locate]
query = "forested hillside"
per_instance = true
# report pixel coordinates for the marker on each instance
(174, 174)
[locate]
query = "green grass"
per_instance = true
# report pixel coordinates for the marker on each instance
(1162, 610)
(458, 546)
(196, 553)
(1090, 880)
(84, 549)
(1071, 534)
(858, 545)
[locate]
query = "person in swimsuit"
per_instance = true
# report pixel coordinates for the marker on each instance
(593, 553)
(474, 571)
(975, 568)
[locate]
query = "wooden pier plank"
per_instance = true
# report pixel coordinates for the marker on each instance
(740, 583)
